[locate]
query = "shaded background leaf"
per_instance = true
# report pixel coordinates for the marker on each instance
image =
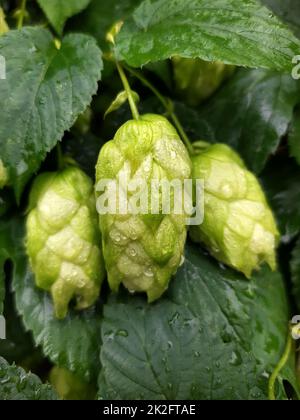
(295, 270)
(58, 11)
(251, 113)
(98, 18)
(294, 136)
(281, 180)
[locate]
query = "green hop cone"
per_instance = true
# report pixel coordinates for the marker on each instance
(3, 175)
(70, 387)
(196, 80)
(238, 228)
(63, 239)
(3, 25)
(143, 251)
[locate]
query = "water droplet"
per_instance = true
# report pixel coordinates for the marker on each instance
(235, 359)
(170, 386)
(174, 318)
(222, 266)
(115, 236)
(149, 272)
(218, 365)
(255, 394)
(132, 252)
(227, 190)
(197, 354)
(173, 155)
(132, 292)
(32, 49)
(219, 382)
(226, 337)
(182, 260)
(170, 344)
(208, 369)
(122, 333)
(109, 335)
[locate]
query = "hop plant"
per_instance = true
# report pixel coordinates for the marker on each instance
(3, 175)
(239, 228)
(196, 80)
(143, 251)
(70, 387)
(63, 239)
(3, 25)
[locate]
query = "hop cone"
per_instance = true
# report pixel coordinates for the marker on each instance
(70, 387)
(63, 239)
(3, 175)
(239, 228)
(143, 251)
(3, 25)
(196, 80)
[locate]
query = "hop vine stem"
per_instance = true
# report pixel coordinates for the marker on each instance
(282, 362)
(133, 107)
(22, 12)
(168, 105)
(60, 157)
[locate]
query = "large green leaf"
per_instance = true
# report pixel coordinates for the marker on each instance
(99, 17)
(281, 180)
(287, 10)
(214, 336)
(252, 113)
(44, 92)
(16, 384)
(234, 31)
(58, 11)
(72, 343)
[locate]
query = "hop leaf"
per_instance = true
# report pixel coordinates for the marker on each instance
(142, 251)
(197, 80)
(239, 228)
(63, 239)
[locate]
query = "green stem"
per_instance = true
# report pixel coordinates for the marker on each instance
(133, 107)
(22, 12)
(182, 133)
(168, 105)
(149, 85)
(282, 362)
(60, 157)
